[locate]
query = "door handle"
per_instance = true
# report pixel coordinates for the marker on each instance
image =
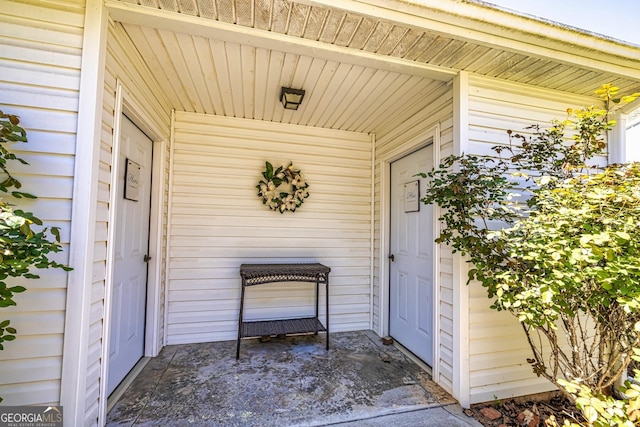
(392, 257)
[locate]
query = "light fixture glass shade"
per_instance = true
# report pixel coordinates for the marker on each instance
(291, 98)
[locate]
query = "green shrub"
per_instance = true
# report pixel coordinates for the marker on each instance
(24, 243)
(555, 241)
(603, 411)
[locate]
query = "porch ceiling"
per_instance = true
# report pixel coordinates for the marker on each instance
(363, 69)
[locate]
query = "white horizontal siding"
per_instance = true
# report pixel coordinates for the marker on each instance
(437, 108)
(40, 55)
(218, 222)
(497, 347)
(446, 315)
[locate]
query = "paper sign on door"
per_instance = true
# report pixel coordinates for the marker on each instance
(132, 181)
(412, 196)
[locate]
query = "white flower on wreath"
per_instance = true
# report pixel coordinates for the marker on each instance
(298, 181)
(283, 189)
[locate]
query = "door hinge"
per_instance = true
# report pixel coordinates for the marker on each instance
(392, 257)
(147, 258)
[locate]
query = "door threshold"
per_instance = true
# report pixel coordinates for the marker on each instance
(415, 359)
(126, 382)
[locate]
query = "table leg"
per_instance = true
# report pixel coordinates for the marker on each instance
(327, 298)
(240, 321)
(317, 302)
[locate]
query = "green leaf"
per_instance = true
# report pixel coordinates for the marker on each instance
(269, 171)
(631, 393)
(610, 255)
(23, 194)
(623, 235)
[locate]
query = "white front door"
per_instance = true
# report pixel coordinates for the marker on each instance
(411, 257)
(128, 298)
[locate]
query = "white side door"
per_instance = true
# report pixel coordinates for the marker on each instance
(128, 299)
(411, 257)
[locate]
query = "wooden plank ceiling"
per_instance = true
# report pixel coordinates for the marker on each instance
(205, 75)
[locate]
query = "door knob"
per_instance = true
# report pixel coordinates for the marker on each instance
(392, 257)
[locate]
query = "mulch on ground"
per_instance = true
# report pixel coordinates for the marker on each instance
(520, 413)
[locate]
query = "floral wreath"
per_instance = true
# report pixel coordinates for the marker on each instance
(277, 197)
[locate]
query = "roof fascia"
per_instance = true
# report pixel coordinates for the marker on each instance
(487, 26)
(630, 107)
(171, 21)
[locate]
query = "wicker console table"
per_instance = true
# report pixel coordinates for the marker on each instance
(258, 274)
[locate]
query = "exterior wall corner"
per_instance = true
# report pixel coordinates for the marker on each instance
(460, 289)
(76, 335)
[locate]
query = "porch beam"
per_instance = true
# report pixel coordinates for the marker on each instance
(196, 26)
(489, 27)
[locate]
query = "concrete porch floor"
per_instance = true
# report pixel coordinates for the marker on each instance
(291, 381)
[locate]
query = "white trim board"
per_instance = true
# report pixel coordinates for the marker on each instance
(495, 28)
(178, 22)
(167, 264)
(460, 289)
(373, 230)
(85, 192)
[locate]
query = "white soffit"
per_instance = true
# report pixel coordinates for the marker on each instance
(396, 51)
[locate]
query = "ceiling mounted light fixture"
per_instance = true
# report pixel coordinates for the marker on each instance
(291, 98)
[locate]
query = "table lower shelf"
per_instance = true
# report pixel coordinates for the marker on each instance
(284, 326)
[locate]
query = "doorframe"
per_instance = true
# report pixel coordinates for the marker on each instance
(429, 137)
(125, 103)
